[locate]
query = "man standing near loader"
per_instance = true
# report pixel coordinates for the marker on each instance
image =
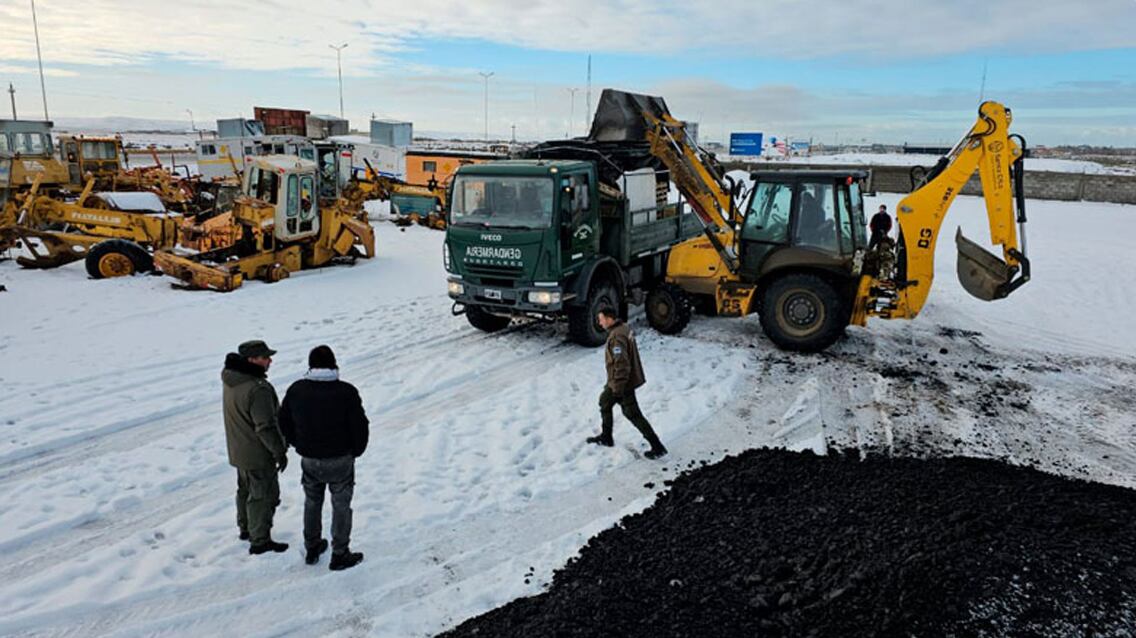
(256, 447)
(624, 375)
(880, 225)
(323, 418)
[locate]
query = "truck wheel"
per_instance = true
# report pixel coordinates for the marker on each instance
(485, 321)
(802, 313)
(582, 325)
(668, 309)
(117, 258)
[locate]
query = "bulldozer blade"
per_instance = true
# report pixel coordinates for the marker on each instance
(981, 273)
(619, 116)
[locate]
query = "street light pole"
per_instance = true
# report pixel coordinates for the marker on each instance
(571, 112)
(486, 76)
(39, 57)
(339, 67)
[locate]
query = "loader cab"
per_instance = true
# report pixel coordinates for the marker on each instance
(803, 219)
(99, 156)
(26, 152)
(288, 184)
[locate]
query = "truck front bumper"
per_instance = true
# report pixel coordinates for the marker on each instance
(522, 300)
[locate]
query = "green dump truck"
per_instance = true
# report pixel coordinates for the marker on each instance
(567, 229)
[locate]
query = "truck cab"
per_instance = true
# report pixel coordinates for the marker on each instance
(544, 238)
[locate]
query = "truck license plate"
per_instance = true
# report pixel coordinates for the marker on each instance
(493, 294)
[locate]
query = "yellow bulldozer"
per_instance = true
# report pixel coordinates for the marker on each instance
(796, 252)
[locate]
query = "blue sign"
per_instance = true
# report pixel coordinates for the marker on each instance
(745, 143)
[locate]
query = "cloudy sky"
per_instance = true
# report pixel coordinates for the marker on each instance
(831, 70)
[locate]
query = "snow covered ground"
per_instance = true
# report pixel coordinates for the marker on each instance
(116, 507)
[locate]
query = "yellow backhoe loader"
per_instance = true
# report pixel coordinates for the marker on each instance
(282, 226)
(796, 251)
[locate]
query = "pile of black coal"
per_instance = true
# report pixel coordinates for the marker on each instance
(776, 543)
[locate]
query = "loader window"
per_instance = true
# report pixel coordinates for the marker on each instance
(816, 217)
(98, 150)
(852, 227)
(4, 146)
(293, 203)
(307, 211)
(32, 144)
(768, 217)
(263, 185)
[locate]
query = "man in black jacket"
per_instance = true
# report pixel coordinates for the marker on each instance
(323, 418)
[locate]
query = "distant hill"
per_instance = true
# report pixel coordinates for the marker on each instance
(119, 125)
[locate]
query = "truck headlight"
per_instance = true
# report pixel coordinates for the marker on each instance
(456, 289)
(544, 297)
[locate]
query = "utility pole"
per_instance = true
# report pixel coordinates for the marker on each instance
(571, 112)
(514, 127)
(339, 67)
(12, 92)
(39, 56)
(486, 76)
(982, 90)
(588, 104)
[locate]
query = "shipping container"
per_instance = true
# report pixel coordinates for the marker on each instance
(282, 121)
(391, 133)
(321, 127)
(239, 127)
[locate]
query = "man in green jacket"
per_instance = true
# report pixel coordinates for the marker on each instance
(256, 447)
(624, 375)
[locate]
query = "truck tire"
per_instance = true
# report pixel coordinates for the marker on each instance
(582, 325)
(117, 258)
(668, 309)
(802, 313)
(485, 321)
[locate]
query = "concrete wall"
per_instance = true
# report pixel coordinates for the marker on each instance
(1120, 189)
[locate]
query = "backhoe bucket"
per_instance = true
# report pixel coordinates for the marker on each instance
(981, 273)
(619, 116)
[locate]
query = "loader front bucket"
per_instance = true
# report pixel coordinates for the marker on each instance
(981, 273)
(619, 116)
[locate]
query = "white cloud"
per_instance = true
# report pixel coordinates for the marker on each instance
(11, 69)
(289, 34)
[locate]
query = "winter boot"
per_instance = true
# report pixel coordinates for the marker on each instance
(600, 439)
(346, 560)
(244, 535)
(313, 554)
(270, 546)
(655, 453)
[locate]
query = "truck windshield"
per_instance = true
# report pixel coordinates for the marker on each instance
(502, 202)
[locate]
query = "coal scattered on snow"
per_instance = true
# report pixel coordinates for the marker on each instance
(775, 543)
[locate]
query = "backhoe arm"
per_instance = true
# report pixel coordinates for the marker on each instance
(997, 156)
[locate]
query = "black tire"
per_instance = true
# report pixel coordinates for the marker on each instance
(485, 321)
(668, 309)
(804, 313)
(582, 325)
(117, 258)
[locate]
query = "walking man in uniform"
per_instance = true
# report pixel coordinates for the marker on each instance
(624, 375)
(880, 225)
(323, 418)
(256, 447)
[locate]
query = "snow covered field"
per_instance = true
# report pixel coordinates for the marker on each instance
(117, 497)
(902, 159)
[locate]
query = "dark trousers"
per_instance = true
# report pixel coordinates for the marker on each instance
(258, 494)
(630, 408)
(338, 476)
(876, 238)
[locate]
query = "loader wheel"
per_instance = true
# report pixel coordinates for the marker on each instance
(484, 321)
(117, 258)
(275, 273)
(668, 309)
(582, 325)
(802, 313)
